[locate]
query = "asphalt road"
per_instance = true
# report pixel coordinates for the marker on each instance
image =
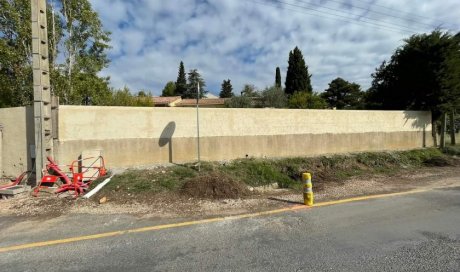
(416, 232)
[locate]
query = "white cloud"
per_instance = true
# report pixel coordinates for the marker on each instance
(246, 40)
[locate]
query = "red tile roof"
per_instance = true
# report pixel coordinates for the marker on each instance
(160, 100)
(204, 101)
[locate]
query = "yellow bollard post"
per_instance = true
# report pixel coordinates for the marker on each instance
(307, 189)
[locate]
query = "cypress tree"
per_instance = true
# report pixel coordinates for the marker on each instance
(181, 82)
(278, 78)
(227, 89)
(297, 76)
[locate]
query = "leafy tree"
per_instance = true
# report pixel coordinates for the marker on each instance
(249, 98)
(239, 102)
(121, 97)
(305, 100)
(144, 101)
(278, 78)
(181, 82)
(342, 94)
(169, 89)
(194, 77)
(423, 74)
(450, 77)
(297, 76)
(77, 46)
(227, 89)
(124, 97)
(90, 85)
(274, 97)
(450, 82)
(85, 44)
(316, 101)
(417, 76)
(250, 91)
(15, 53)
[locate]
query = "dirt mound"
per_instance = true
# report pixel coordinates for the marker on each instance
(214, 186)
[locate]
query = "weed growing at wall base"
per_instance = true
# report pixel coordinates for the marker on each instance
(286, 171)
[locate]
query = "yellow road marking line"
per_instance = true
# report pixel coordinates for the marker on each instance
(353, 199)
(197, 222)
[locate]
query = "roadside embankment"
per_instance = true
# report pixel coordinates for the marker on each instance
(247, 185)
(217, 178)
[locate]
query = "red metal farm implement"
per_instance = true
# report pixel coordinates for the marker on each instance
(81, 174)
(16, 182)
(15, 187)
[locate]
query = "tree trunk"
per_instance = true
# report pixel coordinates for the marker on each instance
(434, 133)
(452, 127)
(443, 131)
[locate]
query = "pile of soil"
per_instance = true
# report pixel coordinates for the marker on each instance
(214, 186)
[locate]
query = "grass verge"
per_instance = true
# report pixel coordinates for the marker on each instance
(286, 172)
(452, 150)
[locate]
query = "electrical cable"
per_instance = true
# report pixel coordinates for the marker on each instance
(407, 13)
(334, 16)
(371, 10)
(374, 22)
(311, 5)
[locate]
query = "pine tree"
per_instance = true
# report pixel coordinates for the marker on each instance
(297, 76)
(342, 94)
(194, 78)
(278, 78)
(181, 82)
(227, 89)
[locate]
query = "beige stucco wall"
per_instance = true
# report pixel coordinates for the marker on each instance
(17, 135)
(139, 136)
(1, 151)
(100, 123)
(457, 138)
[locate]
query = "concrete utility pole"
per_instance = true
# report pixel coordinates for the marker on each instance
(42, 94)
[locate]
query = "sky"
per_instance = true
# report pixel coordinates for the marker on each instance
(245, 40)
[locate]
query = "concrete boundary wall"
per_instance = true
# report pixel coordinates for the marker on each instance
(457, 138)
(1, 151)
(141, 136)
(17, 136)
